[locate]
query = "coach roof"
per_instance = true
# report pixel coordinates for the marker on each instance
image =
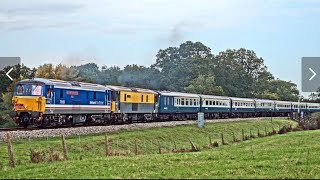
(132, 89)
(178, 94)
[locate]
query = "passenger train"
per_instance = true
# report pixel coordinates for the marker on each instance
(48, 102)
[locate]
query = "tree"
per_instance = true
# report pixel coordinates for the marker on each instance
(109, 75)
(177, 65)
(240, 72)
(285, 90)
(65, 73)
(45, 71)
(88, 72)
(139, 76)
(204, 85)
(313, 96)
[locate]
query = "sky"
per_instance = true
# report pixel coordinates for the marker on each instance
(121, 32)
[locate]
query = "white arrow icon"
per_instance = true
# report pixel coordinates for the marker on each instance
(7, 74)
(314, 74)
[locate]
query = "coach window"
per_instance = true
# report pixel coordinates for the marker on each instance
(125, 97)
(182, 101)
(141, 98)
(147, 98)
(187, 102)
(168, 101)
(194, 102)
(94, 96)
(164, 100)
(61, 93)
(207, 102)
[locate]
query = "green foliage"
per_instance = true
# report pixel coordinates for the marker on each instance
(139, 76)
(284, 90)
(179, 65)
(7, 100)
(204, 85)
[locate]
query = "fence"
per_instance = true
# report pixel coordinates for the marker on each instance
(63, 148)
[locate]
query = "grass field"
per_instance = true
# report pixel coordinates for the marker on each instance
(292, 155)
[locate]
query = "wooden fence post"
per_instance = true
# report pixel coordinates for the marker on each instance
(193, 146)
(159, 146)
(210, 141)
(65, 151)
(234, 137)
(135, 147)
(10, 153)
(222, 139)
(107, 146)
(265, 131)
(243, 138)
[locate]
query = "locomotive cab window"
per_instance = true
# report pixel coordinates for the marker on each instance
(19, 89)
(48, 93)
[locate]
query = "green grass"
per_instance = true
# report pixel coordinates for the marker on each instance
(292, 155)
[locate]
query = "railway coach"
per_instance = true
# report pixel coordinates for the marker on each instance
(264, 107)
(177, 105)
(132, 104)
(215, 107)
(44, 102)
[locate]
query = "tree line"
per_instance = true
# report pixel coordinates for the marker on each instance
(190, 67)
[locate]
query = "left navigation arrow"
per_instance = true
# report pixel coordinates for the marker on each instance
(7, 74)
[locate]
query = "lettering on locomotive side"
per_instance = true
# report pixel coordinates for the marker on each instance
(72, 92)
(96, 102)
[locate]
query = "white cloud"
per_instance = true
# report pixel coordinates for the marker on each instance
(123, 16)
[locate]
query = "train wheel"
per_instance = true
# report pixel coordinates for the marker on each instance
(24, 120)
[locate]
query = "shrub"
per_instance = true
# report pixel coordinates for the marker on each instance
(215, 144)
(37, 156)
(54, 156)
(283, 130)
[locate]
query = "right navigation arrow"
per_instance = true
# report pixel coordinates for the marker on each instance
(314, 74)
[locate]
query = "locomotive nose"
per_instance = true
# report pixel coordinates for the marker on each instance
(28, 103)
